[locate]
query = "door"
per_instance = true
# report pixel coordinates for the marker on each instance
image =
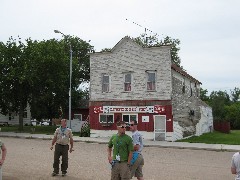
(159, 128)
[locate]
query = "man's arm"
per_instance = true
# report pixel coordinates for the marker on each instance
(53, 142)
(233, 170)
(130, 157)
(4, 153)
(71, 144)
(109, 151)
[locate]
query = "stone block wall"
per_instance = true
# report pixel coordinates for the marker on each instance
(186, 104)
(127, 56)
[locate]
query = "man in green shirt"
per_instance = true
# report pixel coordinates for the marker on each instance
(122, 153)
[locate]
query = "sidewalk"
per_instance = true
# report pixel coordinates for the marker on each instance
(147, 142)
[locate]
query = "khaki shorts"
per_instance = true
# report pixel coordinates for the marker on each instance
(136, 169)
(120, 171)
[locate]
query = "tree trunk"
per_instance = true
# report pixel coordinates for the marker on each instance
(21, 111)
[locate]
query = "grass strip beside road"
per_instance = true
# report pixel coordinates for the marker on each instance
(233, 138)
(49, 130)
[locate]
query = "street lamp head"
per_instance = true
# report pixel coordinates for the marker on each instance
(57, 31)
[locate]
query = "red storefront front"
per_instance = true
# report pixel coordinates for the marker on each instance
(105, 117)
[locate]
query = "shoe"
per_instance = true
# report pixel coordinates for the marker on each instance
(54, 174)
(64, 174)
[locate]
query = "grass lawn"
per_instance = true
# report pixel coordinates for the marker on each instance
(49, 130)
(233, 138)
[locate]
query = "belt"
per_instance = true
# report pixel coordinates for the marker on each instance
(119, 161)
(62, 144)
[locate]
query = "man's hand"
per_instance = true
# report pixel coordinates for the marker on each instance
(136, 147)
(110, 159)
(71, 150)
(1, 162)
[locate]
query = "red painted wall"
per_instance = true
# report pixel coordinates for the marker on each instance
(83, 111)
(142, 126)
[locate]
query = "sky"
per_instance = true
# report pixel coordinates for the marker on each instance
(209, 30)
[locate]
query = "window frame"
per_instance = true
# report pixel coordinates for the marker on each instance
(106, 114)
(129, 114)
(153, 82)
(103, 87)
(127, 83)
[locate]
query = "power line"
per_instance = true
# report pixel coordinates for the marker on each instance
(146, 29)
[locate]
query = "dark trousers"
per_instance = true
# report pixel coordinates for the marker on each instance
(61, 150)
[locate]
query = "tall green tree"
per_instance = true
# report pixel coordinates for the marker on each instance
(51, 66)
(149, 41)
(37, 72)
(233, 114)
(50, 77)
(203, 95)
(235, 94)
(15, 84)
(218, 101)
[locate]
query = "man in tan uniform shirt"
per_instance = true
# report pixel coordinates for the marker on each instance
(62, 137)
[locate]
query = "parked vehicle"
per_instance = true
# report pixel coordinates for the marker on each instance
(45, 123)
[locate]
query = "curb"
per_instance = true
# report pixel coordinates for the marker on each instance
(146, 145)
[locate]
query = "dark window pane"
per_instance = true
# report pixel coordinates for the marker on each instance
(126, 118)
(127, 77)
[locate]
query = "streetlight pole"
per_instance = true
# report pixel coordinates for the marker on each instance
(70, 81)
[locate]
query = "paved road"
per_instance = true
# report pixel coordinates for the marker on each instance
(32, 159)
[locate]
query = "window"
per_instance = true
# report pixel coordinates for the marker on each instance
(191, 91)
(127, 82)
(106, 118)
(105, 83)
(183, 88)
(78, 116)
(25, 114)
(151, 78)
(128, 117)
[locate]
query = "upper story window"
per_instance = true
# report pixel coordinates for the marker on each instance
(127, 82)
(183, 88)
(105, 83)
(191, 91)
(151, 81)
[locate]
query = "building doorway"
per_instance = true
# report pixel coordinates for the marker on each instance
(159, 127)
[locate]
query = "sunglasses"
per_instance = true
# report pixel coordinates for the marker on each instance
(122, 127)
(131, 124)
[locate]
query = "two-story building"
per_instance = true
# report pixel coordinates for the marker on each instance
(136, 83)
(12, 118)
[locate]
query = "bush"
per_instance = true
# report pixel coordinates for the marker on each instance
(85, 130)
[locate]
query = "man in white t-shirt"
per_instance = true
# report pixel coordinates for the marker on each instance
(235, 167)
(138, 162)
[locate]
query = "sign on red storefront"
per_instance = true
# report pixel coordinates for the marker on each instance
(126, 109)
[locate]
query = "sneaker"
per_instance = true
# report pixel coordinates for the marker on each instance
(54, 174)
(64, 174)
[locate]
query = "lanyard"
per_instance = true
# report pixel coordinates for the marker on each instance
(118, 144)
(63, 130)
